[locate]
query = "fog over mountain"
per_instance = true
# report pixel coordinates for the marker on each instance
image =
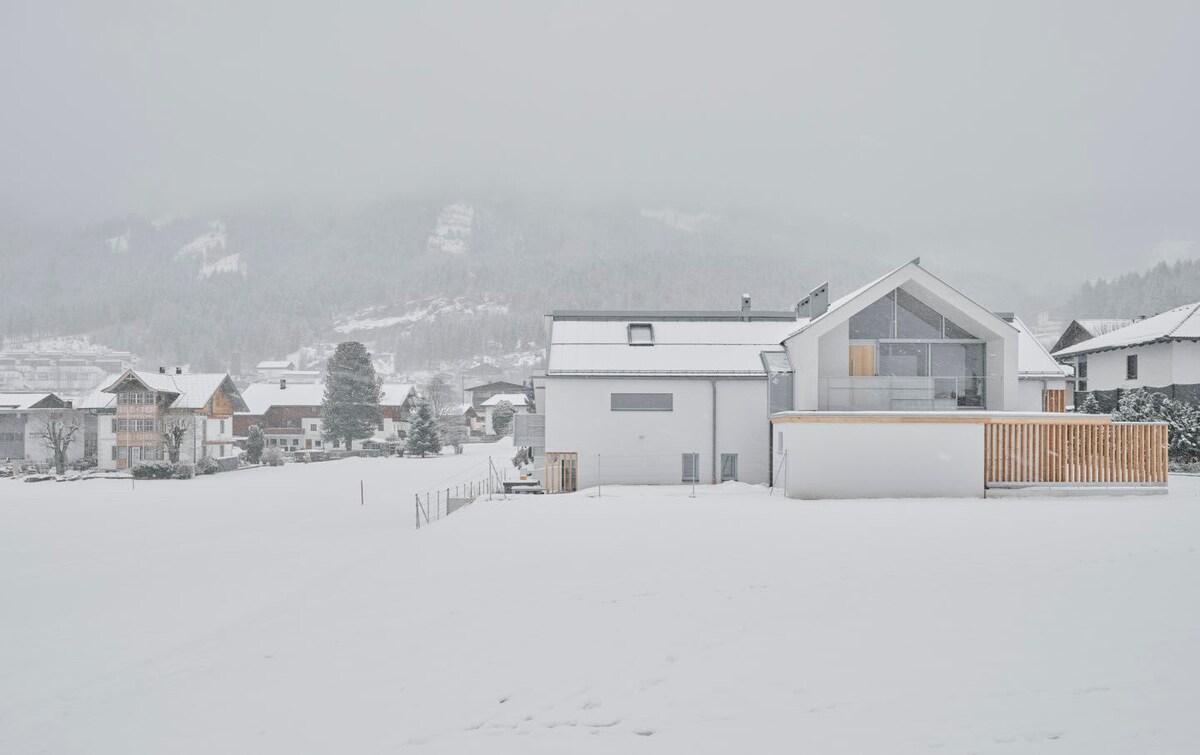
(1019, 148)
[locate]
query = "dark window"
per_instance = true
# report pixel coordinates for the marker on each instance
(691, 467)
(729, 467)
(876, 321)
(1081, 373)
(954, 331)
(1131, 367)
(642, 402)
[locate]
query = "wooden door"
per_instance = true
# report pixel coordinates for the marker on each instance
(862, 360)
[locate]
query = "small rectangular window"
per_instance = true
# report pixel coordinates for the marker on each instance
(114, 425)
(729, 467)
(313, 427)
(691, 467)
(114, 453)
(1131, 367)
(222, 430)
(641, 334)
(642, 402)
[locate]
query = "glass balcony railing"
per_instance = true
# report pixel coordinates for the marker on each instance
(895, 394)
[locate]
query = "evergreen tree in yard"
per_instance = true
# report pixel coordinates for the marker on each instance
(423, 436)
(352, 394)
(1089, 406)
(254, 444)
(502, 417)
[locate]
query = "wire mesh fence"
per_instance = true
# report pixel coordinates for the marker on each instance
(458, 492)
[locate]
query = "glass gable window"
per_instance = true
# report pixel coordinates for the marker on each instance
(915, 319)
(904, 360)
(876, 321)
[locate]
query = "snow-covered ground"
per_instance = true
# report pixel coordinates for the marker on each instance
(267, 611)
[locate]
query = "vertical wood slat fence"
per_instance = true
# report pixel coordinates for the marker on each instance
(1082, 451)
(561, 472)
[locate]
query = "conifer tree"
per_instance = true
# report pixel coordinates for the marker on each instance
(254, 444)
(423, 437)
(352, 395)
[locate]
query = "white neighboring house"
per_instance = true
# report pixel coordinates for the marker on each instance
(103, 408)
(145, 400)
(21, 416)
(1042, 380)
(274, 369)
(670, 397)
(520, 403)
(1160, 352)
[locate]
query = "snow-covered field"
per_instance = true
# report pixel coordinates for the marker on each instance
(268, 612)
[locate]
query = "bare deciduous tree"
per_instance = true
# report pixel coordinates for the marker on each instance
(176, 428)
(57, 431)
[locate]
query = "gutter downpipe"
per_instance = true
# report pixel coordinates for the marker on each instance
(713, 383)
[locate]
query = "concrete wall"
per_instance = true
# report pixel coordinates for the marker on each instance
(647, 447)
(880, 460)
(1031, 390)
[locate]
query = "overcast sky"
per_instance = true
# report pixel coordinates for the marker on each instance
(956, 124)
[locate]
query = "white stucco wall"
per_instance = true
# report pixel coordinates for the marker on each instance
(1030, 392)
(1106, 369)
(880, 460)
(106, 439)
(647, 446)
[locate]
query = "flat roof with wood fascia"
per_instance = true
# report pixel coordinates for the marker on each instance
(580, 314)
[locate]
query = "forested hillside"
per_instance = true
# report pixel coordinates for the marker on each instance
(422, 279)
(1149, 292)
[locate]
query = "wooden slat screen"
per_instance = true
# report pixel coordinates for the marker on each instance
(561, 472)
(1054, 400)
(1087, 452)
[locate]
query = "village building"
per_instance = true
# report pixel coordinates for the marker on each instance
(520, 403)
(1079, 331)
(144, 401)
(1159, 353)
(291, 415)
(481, 393)
(22, 415)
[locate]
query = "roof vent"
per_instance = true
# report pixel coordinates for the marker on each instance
(178, 370)
(283, 384)
(162, 370)
(819, 300)
(745, 302)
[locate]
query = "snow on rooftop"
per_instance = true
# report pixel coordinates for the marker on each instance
(1180, 322)
(230, 263)
(260, 397)
(516, 399)
(1032, 356)
(22, 399)
(275, 365)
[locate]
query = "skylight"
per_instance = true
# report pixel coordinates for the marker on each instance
(641, 334)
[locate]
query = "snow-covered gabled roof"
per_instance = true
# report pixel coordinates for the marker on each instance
(516, 399)
(1033, 360)
(843, 308)
(395, 394)
(99, 398)
(1180, 323)
(694, 346)
(276, 365)
(1098, 327)
(29, 400)
(260, 397)
(190, 391)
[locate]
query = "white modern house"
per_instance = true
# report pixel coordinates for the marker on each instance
(1160, 353)
(670, 397)
(904, 387)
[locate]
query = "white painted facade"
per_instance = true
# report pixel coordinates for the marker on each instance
(856, 459)
(648, 446)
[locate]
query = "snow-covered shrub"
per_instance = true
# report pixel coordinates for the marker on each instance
(207, 465)
(153, 470)
(1183, 420)
(1089, 405)
(183, 471)
(272, 457)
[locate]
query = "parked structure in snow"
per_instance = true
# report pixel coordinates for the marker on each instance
(1160, 353)
(146, 401)
(291, 415)
(670, 397)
